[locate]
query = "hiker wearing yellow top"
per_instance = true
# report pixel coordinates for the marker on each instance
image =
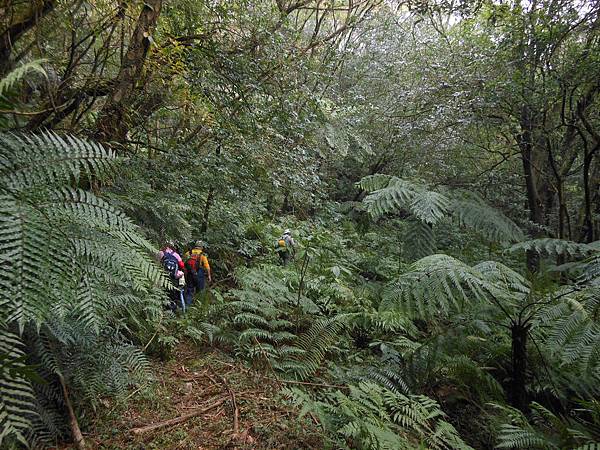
(285, 246)
(197, 268)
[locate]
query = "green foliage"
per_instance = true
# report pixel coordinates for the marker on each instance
(16, 393)
(551, 431)
(439, 285)
(389, 194)
(555, 247)
(19, 73)
(571, 334)
(245, 118)
(272, 325)
(372, 417)
(72, 265)
(471, 211)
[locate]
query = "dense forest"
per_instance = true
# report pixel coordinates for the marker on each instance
(399, 200)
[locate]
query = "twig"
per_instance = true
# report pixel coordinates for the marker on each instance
(134, 392)
(213, 381)
(312, 416)
(75, 430)
(177, 420)
(262, 351)
(236, 414)
(236, 411)
(307, 383)
(154, 335)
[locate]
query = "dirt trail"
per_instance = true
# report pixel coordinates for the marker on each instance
(203, 401)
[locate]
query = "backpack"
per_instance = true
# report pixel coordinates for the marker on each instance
(280, 243)
(193, 272)
(170, 264)
(193, 263)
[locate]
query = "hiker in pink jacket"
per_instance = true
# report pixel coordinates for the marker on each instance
(173, 265)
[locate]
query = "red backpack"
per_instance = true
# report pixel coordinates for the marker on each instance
(193, 263)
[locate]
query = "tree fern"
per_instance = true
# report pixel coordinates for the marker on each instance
(389, 194)
(571, 333)
(471, 211)
(420, 240)
(436, 286)
(71, 264)
(397, 194)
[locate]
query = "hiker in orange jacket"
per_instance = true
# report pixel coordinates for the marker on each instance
(197, 269)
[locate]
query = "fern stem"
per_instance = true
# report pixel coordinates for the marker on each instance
(75, 430)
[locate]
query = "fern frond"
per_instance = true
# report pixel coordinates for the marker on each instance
(375, 182)
(17, 74)
(512, 436)
(316, 342)
(555, 247)
(469, 210)
(35, 161)
(16, 394)
(434, 286)
(420, 240)
(427, 206)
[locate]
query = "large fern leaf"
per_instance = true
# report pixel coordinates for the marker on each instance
(16, 393)
(426, 205)
(439, 285)
(469, 210)
(555, 247)
(71, 265)
(388, 194)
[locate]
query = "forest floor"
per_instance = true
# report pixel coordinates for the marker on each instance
(233, 407)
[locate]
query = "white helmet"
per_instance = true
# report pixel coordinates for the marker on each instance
(287, 231)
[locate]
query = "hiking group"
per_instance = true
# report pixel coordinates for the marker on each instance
(190, 272)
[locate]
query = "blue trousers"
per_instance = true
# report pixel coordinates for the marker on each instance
(194, 286)
(176, 297)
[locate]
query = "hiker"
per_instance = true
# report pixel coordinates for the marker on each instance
(197, 268)
(173, 265)
(286, 247)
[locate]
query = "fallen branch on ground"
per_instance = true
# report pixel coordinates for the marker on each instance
(177, 420)
(236, 411)
(308, 383)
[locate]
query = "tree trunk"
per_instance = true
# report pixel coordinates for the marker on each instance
(19, 25)
(113, 122)
(587, 231)
(517, 391)
(533, 203)
(207, 205)
(539, 197)
(210, 198)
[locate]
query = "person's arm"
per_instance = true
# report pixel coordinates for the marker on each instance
(206, 266)
(179, 260)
